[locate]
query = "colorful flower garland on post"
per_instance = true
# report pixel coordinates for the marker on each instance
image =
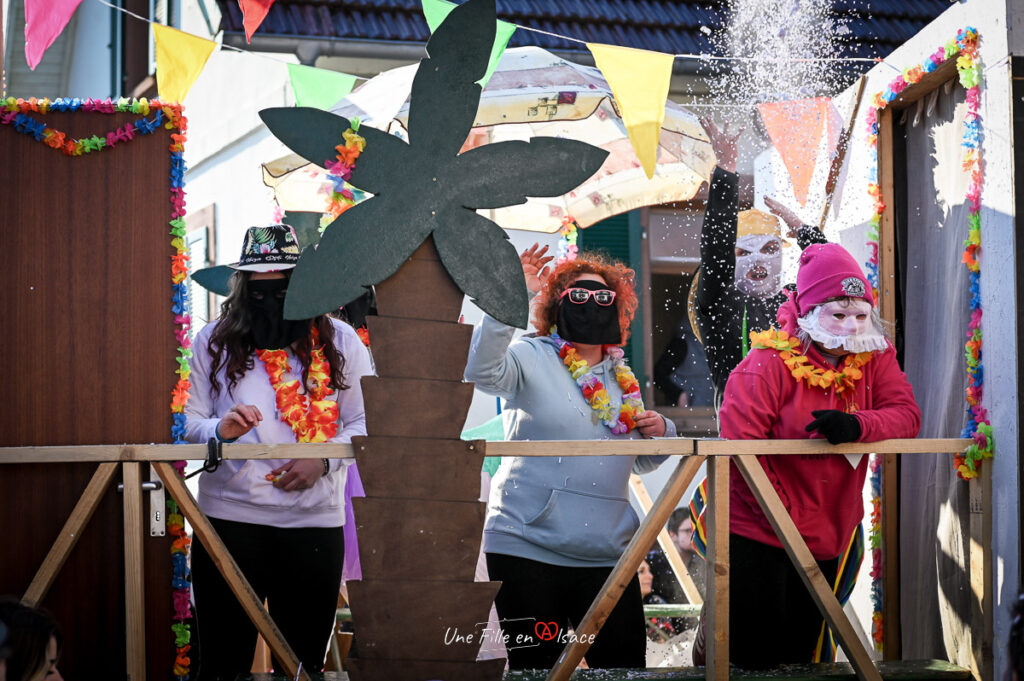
(17, 113)
(965, 48)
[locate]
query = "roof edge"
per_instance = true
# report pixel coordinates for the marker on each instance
(308, 49)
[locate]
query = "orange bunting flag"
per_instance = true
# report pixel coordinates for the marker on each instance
(253, 14)
(795, 128)
(639, 80)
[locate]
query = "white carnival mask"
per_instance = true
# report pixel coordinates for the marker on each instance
(846, 324)
(759, 273)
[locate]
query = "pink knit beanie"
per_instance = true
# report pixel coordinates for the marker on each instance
(828, 271)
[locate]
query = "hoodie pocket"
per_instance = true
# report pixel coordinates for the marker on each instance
(584, 526)
(249, 485)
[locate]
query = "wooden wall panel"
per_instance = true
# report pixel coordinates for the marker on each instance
(89, 350)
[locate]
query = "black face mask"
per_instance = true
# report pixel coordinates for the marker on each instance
(589, 322)
(270, 330)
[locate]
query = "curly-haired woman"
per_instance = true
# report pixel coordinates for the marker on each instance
(557, 525)
(260, 378)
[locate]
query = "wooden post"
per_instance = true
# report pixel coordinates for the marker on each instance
(232, 574)
(716, 583)
(890, 462)
(806, 566)
(682, 575)
(625, 569)
(980, 562)
(134, 590)
(69, 534)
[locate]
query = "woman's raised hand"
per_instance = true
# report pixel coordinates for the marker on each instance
(239, 420)
(535, 266)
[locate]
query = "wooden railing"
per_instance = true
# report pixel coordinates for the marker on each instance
(717, 454)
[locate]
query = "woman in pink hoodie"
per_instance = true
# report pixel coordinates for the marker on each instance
(829, 372)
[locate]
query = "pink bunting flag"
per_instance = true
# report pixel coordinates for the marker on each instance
(253, 14)
(44, 21)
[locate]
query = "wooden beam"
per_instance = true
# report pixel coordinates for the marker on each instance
(890, 462)
(980, 566)
(716, 583)
(656, 447)
(229, 569)
(69, 534)
(807, 567)
(675, 560)
(134, 589)
(891, 633)
(625, 570)
(821, 446)
(154, 453)
(924, 87)
(887, 228)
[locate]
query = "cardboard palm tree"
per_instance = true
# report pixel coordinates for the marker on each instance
(419, 241)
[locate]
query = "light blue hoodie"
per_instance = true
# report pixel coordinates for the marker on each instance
(574, 510)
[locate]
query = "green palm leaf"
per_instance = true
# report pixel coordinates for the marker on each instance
(426, 187)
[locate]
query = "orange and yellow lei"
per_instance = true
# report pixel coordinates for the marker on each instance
(312, 417)
(840, 379)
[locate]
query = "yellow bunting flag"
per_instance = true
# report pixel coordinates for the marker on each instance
(180, 58)
(639, 79)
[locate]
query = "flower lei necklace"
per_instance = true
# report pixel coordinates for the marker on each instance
(792, 354)
(594, 391)
(312, 418)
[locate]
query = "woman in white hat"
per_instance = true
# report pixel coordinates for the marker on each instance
(257, 377)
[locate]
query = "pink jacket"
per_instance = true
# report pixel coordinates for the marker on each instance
(821, 492)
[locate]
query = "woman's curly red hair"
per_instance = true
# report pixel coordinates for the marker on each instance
(619, 278)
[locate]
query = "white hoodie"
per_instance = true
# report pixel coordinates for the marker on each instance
(238, 490)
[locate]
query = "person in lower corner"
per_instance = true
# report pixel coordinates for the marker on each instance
(829, 373)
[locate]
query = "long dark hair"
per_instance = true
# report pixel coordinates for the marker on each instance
(232, 345)
(28, 636)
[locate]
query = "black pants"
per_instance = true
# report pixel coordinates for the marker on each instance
(534, 595)
(297, 571)
(772, 618)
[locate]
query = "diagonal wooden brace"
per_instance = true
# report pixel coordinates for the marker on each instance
(626, 568)
(806, 566)
(229, 569)
(675, 560)
(69, 534)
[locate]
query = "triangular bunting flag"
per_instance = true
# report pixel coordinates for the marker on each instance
(44, 21)
(436, 10)
(180, 58)
(319, 88)
(795, 128)
(253, 14)
(639, 79)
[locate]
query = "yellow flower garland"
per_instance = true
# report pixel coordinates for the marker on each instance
(792, 353)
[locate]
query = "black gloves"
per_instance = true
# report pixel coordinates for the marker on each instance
(835, 425)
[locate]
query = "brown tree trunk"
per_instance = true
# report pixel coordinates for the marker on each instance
(420, 524)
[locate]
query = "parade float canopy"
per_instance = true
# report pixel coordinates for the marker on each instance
(532, 93)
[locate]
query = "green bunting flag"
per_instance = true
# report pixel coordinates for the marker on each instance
(319, 88)
(436, 10)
